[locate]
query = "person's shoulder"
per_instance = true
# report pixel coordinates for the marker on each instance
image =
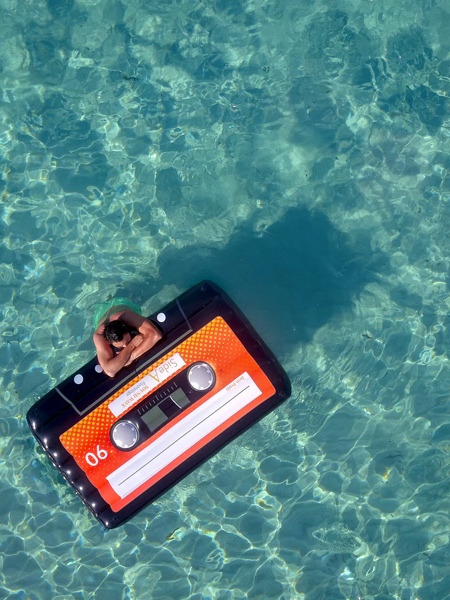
(120, 314)
(129, 311)
(99, 332)
(130, 315)
(98, 337)
(134, 319)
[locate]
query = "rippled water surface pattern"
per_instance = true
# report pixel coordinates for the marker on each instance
(297, 153)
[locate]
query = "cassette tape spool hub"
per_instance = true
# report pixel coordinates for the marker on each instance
(125, 435)
(122, 442)
(201, 376)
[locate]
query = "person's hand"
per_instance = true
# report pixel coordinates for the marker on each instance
(136, 341)
(129, 349)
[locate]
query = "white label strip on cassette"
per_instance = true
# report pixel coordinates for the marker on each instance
(183, 435)
(146, 384)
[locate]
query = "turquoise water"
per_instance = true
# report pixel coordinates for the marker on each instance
(297, 153)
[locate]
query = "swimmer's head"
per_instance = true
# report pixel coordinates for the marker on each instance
(117, 333)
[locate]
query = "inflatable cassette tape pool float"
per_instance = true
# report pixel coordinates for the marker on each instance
(121, 442)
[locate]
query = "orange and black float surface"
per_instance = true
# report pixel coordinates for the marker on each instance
(121, 442)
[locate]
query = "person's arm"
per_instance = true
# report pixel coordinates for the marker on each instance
(149, 332)
(109, 363)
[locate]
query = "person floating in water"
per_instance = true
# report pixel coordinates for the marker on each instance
(122, 335)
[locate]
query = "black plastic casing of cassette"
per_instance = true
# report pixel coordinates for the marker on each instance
(69, 402)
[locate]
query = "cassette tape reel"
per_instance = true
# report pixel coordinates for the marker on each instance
(121, 442)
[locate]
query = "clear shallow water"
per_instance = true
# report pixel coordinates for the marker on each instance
(297, 154)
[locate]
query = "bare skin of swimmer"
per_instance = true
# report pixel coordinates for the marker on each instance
(132, 348)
